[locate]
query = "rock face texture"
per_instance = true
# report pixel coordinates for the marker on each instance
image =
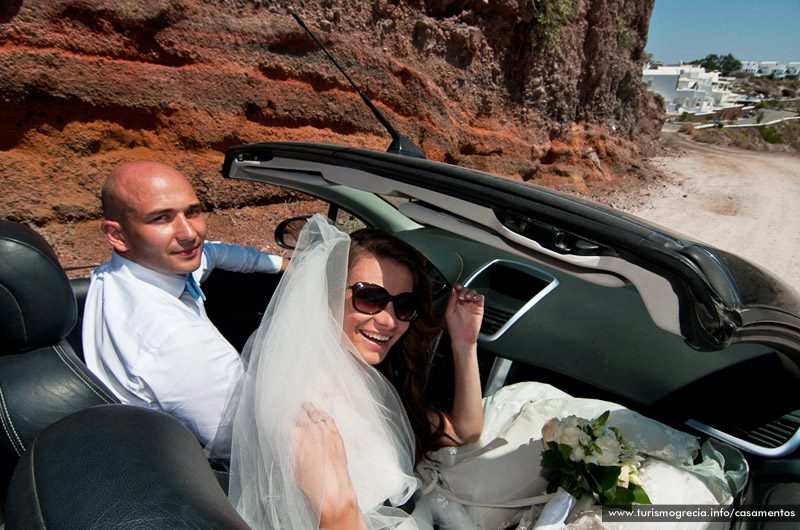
(88, 84)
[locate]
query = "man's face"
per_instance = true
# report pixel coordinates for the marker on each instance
(162, 225)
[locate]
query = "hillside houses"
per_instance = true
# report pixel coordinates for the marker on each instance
(690, 89)
(771, 69)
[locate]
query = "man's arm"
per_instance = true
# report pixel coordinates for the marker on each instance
(236, 258)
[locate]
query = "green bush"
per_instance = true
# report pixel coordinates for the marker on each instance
(549, 20)
(770, 135)
(625, 34)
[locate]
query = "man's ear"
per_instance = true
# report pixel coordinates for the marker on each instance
(113, 233)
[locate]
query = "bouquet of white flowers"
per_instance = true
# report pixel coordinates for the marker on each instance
(586, 456)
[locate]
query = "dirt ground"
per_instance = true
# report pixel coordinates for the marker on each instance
(742, 201)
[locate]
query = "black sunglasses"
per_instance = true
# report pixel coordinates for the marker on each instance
(371, 299)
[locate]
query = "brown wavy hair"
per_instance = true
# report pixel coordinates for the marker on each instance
(409, 361)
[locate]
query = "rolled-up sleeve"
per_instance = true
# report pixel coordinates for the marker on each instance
(236, 258)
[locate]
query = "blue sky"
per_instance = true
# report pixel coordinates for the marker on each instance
(762, 30)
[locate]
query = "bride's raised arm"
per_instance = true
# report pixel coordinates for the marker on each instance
(464, 313)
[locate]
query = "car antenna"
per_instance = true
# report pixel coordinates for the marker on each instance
(400, 145)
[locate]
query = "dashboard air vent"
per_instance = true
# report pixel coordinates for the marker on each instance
(494, 319)
(775, 439)
(775, 433)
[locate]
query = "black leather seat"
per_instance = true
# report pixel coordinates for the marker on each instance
(117, 467)
(41, 377)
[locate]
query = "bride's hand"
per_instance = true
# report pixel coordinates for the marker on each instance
(320, 467)
(464, 315)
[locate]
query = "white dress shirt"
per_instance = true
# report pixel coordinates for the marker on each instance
(153, 345)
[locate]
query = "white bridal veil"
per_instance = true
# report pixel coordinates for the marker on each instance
(300, 354)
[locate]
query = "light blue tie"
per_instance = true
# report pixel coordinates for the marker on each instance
(193, 288)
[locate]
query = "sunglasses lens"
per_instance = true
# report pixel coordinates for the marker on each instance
(405, 306)
(370, 299)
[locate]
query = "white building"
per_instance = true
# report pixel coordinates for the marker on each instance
(772, 69)
(765, 68)
(749, 67)
(689, 88)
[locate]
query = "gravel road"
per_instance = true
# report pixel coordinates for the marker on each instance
(741, 201)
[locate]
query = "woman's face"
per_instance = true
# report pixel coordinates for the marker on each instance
(374, 335)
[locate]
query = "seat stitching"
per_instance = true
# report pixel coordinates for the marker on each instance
(19, 447)
(88, 382)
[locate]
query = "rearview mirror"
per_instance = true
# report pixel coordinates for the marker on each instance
(288, 231)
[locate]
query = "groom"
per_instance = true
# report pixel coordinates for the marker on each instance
(146, 334)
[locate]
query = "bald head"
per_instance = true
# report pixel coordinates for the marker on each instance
(153, 217)
(129, 180)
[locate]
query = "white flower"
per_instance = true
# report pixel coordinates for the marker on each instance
(550, 431)
(608, 451)
(568, 431)
(624, 476)
(573, 437)
(577, 454)
(635, 478)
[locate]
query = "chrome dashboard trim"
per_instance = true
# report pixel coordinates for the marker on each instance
(770, 452)
(552, 283)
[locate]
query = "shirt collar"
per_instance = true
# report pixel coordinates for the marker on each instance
(173, 284)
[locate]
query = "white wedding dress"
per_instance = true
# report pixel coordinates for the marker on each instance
(505, 464)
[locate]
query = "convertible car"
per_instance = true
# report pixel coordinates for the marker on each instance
(592, 301)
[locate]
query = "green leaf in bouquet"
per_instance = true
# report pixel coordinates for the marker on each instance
(624, 498)
(619, 498)
(557, 459)
(601, 420)
(565, 450)
(639, 495)
(552, 458)
(602, 478)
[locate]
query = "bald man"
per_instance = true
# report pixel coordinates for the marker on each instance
(146, 334)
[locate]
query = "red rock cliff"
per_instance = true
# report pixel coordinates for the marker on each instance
(87, 84)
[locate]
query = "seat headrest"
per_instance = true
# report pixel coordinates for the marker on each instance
(117, 467)
(37, 306)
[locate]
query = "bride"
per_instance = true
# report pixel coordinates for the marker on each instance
(330, 424)
(331, 421)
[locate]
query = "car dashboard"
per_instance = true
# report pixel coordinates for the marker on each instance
(597, 341)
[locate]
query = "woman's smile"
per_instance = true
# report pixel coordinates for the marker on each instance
(376, 337)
